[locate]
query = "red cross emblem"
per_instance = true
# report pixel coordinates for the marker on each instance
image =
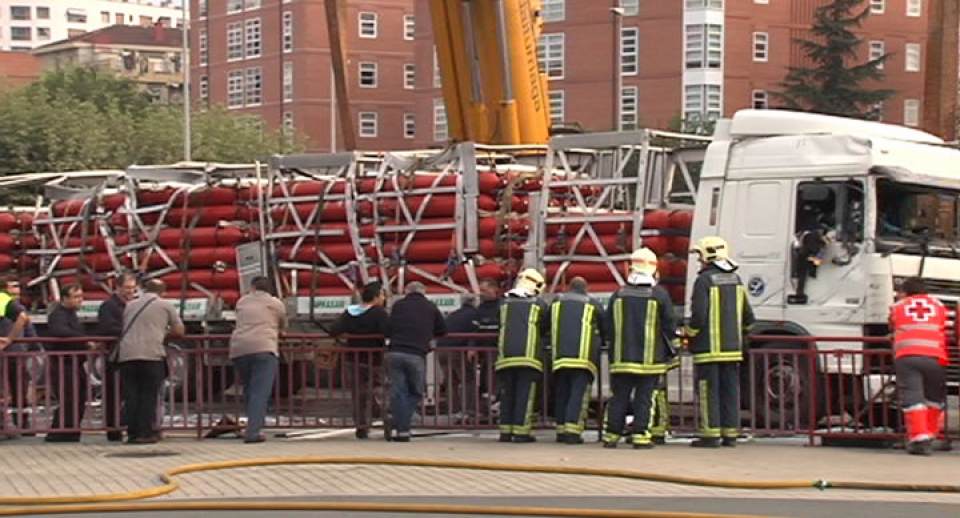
(920, 309)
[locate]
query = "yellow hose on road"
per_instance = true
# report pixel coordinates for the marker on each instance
(170, 485)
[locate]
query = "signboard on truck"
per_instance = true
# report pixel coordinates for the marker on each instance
(249, 264)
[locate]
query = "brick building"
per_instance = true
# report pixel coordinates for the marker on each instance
(272, 58)
(18, 69)
(696, 59)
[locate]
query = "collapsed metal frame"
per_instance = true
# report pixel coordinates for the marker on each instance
(611, 178)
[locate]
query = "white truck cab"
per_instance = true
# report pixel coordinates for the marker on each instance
(884, 197)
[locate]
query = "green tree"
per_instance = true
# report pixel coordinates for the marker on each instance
(79, 119)
(834, 83)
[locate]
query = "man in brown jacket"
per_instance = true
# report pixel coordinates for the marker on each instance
(255, 348)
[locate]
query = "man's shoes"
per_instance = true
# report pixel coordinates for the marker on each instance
(729, 442)
(610, 445)
(115, 436)
(924, 447)
(254, 440)
(143, 440)
(706, 443)
(402, 438)
(506, 437)
(362, 433)
(524, 438)
(571, 438)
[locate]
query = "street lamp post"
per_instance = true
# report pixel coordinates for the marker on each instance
(618, 13)
(185, 60)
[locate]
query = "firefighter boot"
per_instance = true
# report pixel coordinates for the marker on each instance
(524, 438)
(659, 440)
(506, 437)
(706, 442)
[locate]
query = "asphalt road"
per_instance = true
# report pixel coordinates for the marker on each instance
(794, 508)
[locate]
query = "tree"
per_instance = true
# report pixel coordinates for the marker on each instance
(81, 119)
(834, 84)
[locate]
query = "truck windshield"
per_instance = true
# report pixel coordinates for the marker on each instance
(909, 211)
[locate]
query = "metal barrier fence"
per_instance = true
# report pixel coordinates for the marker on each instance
(322, 385)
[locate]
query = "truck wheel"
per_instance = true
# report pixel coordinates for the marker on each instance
(783, 386)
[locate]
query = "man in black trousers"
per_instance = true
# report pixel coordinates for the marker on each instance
(110, 323)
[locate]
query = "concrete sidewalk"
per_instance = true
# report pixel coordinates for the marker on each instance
(29, 467)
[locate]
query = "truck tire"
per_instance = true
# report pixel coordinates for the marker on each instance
(782, 386)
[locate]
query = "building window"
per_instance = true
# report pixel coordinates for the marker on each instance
(702, 102)
(20, 33)
(409, 76)
(368, 25)
(409, 27)
(43, 33)
(911, 112)
(235, 89)
(234, 41)
(253, 4)
(287, 81)
(368, 124)
(253, 38)
(254, 86)
(203, 49)
(436, 69)
(630, 7)
(234, 6)
(761, 46)
(914, 7)
(704, 46)
(440, 132)
(913, 57)
(105, 17)
(368, 75)
(409, 125)
(19, 12)
(43, 13)
(761, 100)
(146, 21)
(706, 4)
(558, 106)
(119, 19)
(877, 51)
(553, 10)
(629, 99)
(204, 90)
(202, 8)
(878, 6)
(76, 16)
(288, 121)
(550, 53)
(288, 32)
(629, 51)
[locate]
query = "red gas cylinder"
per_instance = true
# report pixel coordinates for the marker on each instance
(311, 188)
(99, 243)
(25, 220)
(27, 262)
(679, 269)
(113, 201)
(6, 262)
(8, 221)
(29, 242)
(202, 237)
(205, 216)
(676, 293)
(665, 266)
(209, 279)
(659, 244)
(99, 262)
(458, 276)
(307, 278)
(336, 252)
(613, 244)
(681, 220)
(198, 257)
(656, 219)
(490, 182)
(332, 211)
(591, 272)
(600, 227)
(680, 246)
(69, 208)
(7, 243)
(207, 197)
(366, 231)
(154, 196)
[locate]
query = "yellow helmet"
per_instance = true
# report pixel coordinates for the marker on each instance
(531, 281)
(643, 260)
(712, 249)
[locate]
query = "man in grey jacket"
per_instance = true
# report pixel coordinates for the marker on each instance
(255, 348)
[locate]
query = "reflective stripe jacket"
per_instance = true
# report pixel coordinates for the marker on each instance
(720, 314)
(919, 328)
(576, 330)
(642, 331)
(523, 324)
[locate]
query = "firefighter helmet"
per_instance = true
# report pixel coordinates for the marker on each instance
(712, 249)
(644, 261)
(531, 281)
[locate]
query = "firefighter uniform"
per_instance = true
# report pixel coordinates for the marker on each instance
(643, 347)
(575, 340)
(920, 344)
(524, 321)
(720, 315)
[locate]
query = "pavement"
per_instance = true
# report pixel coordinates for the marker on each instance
(30, 468)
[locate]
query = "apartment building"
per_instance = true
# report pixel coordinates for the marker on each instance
(619, 64)
(271, 58)
(152, 57)
(27, 24)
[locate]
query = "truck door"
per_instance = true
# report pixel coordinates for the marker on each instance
(754, 220)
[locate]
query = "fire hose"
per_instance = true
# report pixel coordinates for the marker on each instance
(99, 503)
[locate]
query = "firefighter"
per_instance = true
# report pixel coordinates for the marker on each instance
(920, 345)
(524, 322)
(575, 341)
(720, 314)
(643, 346)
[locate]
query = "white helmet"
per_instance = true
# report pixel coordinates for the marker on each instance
(644, 261)
(530, 281)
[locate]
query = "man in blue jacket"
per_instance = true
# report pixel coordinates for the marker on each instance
(414, 323)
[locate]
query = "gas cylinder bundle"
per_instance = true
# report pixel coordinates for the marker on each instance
(16, 239)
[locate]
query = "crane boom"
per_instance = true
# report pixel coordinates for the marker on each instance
(492, 86)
